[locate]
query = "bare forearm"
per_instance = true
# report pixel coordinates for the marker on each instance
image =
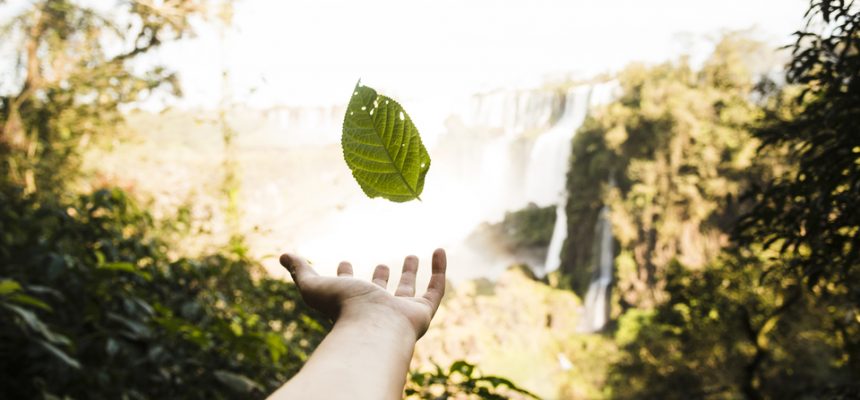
(367, 353)
(378, 348)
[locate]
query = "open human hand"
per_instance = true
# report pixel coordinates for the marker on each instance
(347, 298)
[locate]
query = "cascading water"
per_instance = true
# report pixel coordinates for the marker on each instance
(546, 185)
(547, 164)
(545, 182)
(596, 311)
(559, 233)
(549, 161)
(500, 120)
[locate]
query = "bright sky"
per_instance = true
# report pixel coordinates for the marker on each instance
(313, 51)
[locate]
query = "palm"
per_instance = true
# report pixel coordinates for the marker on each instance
(332, 294)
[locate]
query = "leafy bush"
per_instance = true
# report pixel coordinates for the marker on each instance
(91, 307)
(461, 381)
(724, 333)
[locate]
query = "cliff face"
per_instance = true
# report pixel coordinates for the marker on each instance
(676, 143)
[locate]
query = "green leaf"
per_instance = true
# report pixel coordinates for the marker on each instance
(8, 286)
(125, 267)
(236, 382)
(61, 355)
(136, 329)
(29, 300)
(382, 147)
(36, 324)
(462, 367)
(276, 346)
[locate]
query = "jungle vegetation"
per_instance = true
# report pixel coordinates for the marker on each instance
(734, 209)
(734, 195)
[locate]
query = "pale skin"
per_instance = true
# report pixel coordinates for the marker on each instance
(367, 353)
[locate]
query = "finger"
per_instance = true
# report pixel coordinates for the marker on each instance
(436, 287)
(406, 287)
(380, 276)
(297, 266)
(344, 269)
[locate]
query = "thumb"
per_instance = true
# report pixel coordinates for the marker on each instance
(297, 266)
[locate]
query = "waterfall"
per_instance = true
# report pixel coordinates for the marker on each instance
(559, 233)
(596, 311)
(547, 167)
(545, 182)
(488, 148)
(514, 111)
(546, 186)
(549, 157)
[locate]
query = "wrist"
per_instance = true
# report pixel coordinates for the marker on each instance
(378, 319)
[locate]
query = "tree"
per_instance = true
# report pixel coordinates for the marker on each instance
(91, 304)
(775, 315)
(725, 333)
(92, 307)
(810, 212)
(678, 145)
(73, 76)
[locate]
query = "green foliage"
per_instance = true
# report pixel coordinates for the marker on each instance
(71, 82)
(810, 212)
(92, 307)
(529, 227)
(678, 145)
(382, 147)
(725, 333)
(773, 315)
(462, 381)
